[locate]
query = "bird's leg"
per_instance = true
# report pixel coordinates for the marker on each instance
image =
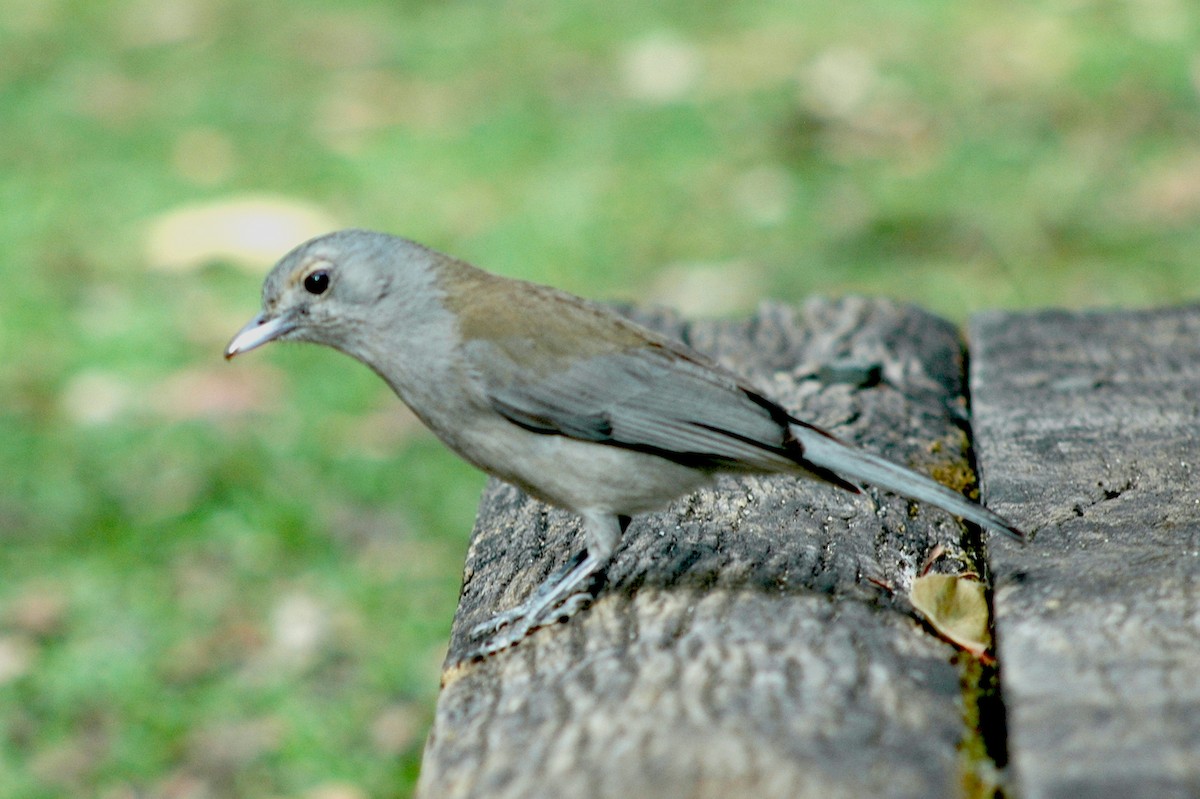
(562, 594)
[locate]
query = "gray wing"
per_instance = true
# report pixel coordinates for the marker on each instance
(649, 398)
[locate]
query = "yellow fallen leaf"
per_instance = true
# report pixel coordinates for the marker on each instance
(955, 606)
(251, 231)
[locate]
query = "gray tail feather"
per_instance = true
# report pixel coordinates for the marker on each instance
(827, 453)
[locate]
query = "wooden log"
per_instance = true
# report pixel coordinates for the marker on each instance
(1087, 427)
(737, 648)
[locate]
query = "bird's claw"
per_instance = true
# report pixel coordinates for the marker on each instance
(495, 623)
(559, 597)
(507, 629)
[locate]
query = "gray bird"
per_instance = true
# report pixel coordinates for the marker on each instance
(565, 399)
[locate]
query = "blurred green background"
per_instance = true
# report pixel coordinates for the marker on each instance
(237, 579)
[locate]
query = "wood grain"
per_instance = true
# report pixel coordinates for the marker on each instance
(1087, 428)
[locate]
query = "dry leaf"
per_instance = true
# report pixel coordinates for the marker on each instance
(252, 231)
(955, 606)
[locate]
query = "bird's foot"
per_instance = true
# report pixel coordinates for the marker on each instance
(560, 597)
(538, 598)
(509, 628)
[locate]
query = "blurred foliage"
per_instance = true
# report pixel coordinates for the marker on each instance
(237, 580)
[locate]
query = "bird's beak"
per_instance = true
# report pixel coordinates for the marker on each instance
(258, 331)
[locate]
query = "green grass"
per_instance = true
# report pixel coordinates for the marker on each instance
(240, 578)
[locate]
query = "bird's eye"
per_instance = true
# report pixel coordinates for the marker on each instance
(317, 282)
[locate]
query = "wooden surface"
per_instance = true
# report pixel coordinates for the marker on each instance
(740, 646)
(1087, 429)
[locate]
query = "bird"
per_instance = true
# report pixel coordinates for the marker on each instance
(564, 398)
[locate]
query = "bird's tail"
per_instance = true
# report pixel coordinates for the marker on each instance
(828, 454)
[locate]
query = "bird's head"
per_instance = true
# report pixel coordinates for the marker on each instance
(333, 289)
